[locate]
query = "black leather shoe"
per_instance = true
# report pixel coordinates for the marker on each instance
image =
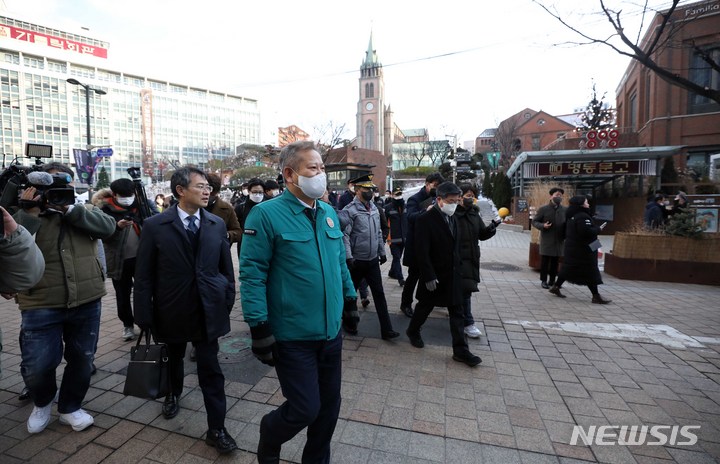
(24, 394)
(407, 310)
(544, 285)
(555, 290)
(467, 358)
(415, 339)
(597, 299)
(221, 440)
(171, 407)
(401, 282)
(266, 454)
(390, 335)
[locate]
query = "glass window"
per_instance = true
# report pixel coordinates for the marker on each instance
(703, 74)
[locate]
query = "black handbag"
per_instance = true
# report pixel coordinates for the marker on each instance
(148, 371)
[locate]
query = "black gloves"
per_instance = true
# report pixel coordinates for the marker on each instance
(263, 343)
(350, 263)
(350, 316)
(383, 259)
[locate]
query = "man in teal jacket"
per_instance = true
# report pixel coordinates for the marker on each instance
(294, 284)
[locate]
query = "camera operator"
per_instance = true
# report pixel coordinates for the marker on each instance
(121, 248)
(64, 307)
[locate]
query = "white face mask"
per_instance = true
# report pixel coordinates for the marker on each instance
(256, 197)
(448, 208)
(125, 201)
(314, 187)
(245, 192)
(274, 193)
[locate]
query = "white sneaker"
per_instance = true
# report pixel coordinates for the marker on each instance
(472, 331)
(128, 334)
(79, 420)
(39, 418)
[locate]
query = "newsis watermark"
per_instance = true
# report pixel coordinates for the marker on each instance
(655, 435)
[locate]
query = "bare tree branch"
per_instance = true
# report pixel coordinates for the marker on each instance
(662, 36)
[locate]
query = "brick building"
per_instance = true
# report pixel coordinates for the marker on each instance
(664, 114)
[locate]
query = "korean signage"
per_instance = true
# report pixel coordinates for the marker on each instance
(51, 41)
(591, 168)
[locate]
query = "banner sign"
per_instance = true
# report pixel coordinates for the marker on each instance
(591, 168)
(48, 40)
(85, 164)
(147, 140)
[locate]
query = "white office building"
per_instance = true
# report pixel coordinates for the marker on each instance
(149, 123)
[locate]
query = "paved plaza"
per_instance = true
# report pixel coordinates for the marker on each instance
(651, 358)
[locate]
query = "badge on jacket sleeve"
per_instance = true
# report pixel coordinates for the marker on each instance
(330, 222)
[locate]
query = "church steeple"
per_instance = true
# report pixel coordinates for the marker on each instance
(371, 104)
(371, 58)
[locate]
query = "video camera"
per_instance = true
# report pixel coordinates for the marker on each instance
(53, 188)
(140, 195)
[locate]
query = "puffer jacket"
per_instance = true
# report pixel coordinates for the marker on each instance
(73, 273)
(471, 229)
(363, 235)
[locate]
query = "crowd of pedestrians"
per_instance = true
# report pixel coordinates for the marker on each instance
(305, 254)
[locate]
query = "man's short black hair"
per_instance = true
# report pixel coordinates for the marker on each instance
(255, 181)
(448, 188)
(658, 197)
(214, 181)
(468, 187)
(556, 189)
(271, 185)
(434, 177)
(123, 187)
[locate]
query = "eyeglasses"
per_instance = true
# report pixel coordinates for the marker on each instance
(203, 187)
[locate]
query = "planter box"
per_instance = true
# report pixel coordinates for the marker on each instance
(664, 258)
(666, 247)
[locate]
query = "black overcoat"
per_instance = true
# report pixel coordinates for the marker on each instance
(416, 205)
(471, 229)
(580, 263)
(438, 258)
(184, 296)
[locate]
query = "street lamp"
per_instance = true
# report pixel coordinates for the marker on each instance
(88, 89)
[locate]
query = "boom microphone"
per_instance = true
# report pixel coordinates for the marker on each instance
(39, 178)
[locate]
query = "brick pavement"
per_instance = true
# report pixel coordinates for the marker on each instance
(538, 379)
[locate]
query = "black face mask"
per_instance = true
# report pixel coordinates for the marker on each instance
(468, 202)
(398, 203)
(433, 192)
(367, 196)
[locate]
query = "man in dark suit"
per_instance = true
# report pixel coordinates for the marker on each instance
(184, 291)
(416, 205)
(438, 260)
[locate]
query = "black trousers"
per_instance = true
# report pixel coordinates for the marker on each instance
(457, 324)
(370, 271)
(549, 267)
(309, 375)
(408, 293)
(210, 378)
(123, 292)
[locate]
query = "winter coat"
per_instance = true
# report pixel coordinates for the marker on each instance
(73, 273)
(471, 229)
(225, 211)
(21, 261)
(654, 216)
(416, 205)
(437, 250)
(293, 273)
(580, 262)
(551, 239)
(345, 199)
(184, 295)
(380, 205)
(115, 245)
(362, 233)
(397, 218)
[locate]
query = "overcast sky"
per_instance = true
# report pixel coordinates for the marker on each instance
(301, 59)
